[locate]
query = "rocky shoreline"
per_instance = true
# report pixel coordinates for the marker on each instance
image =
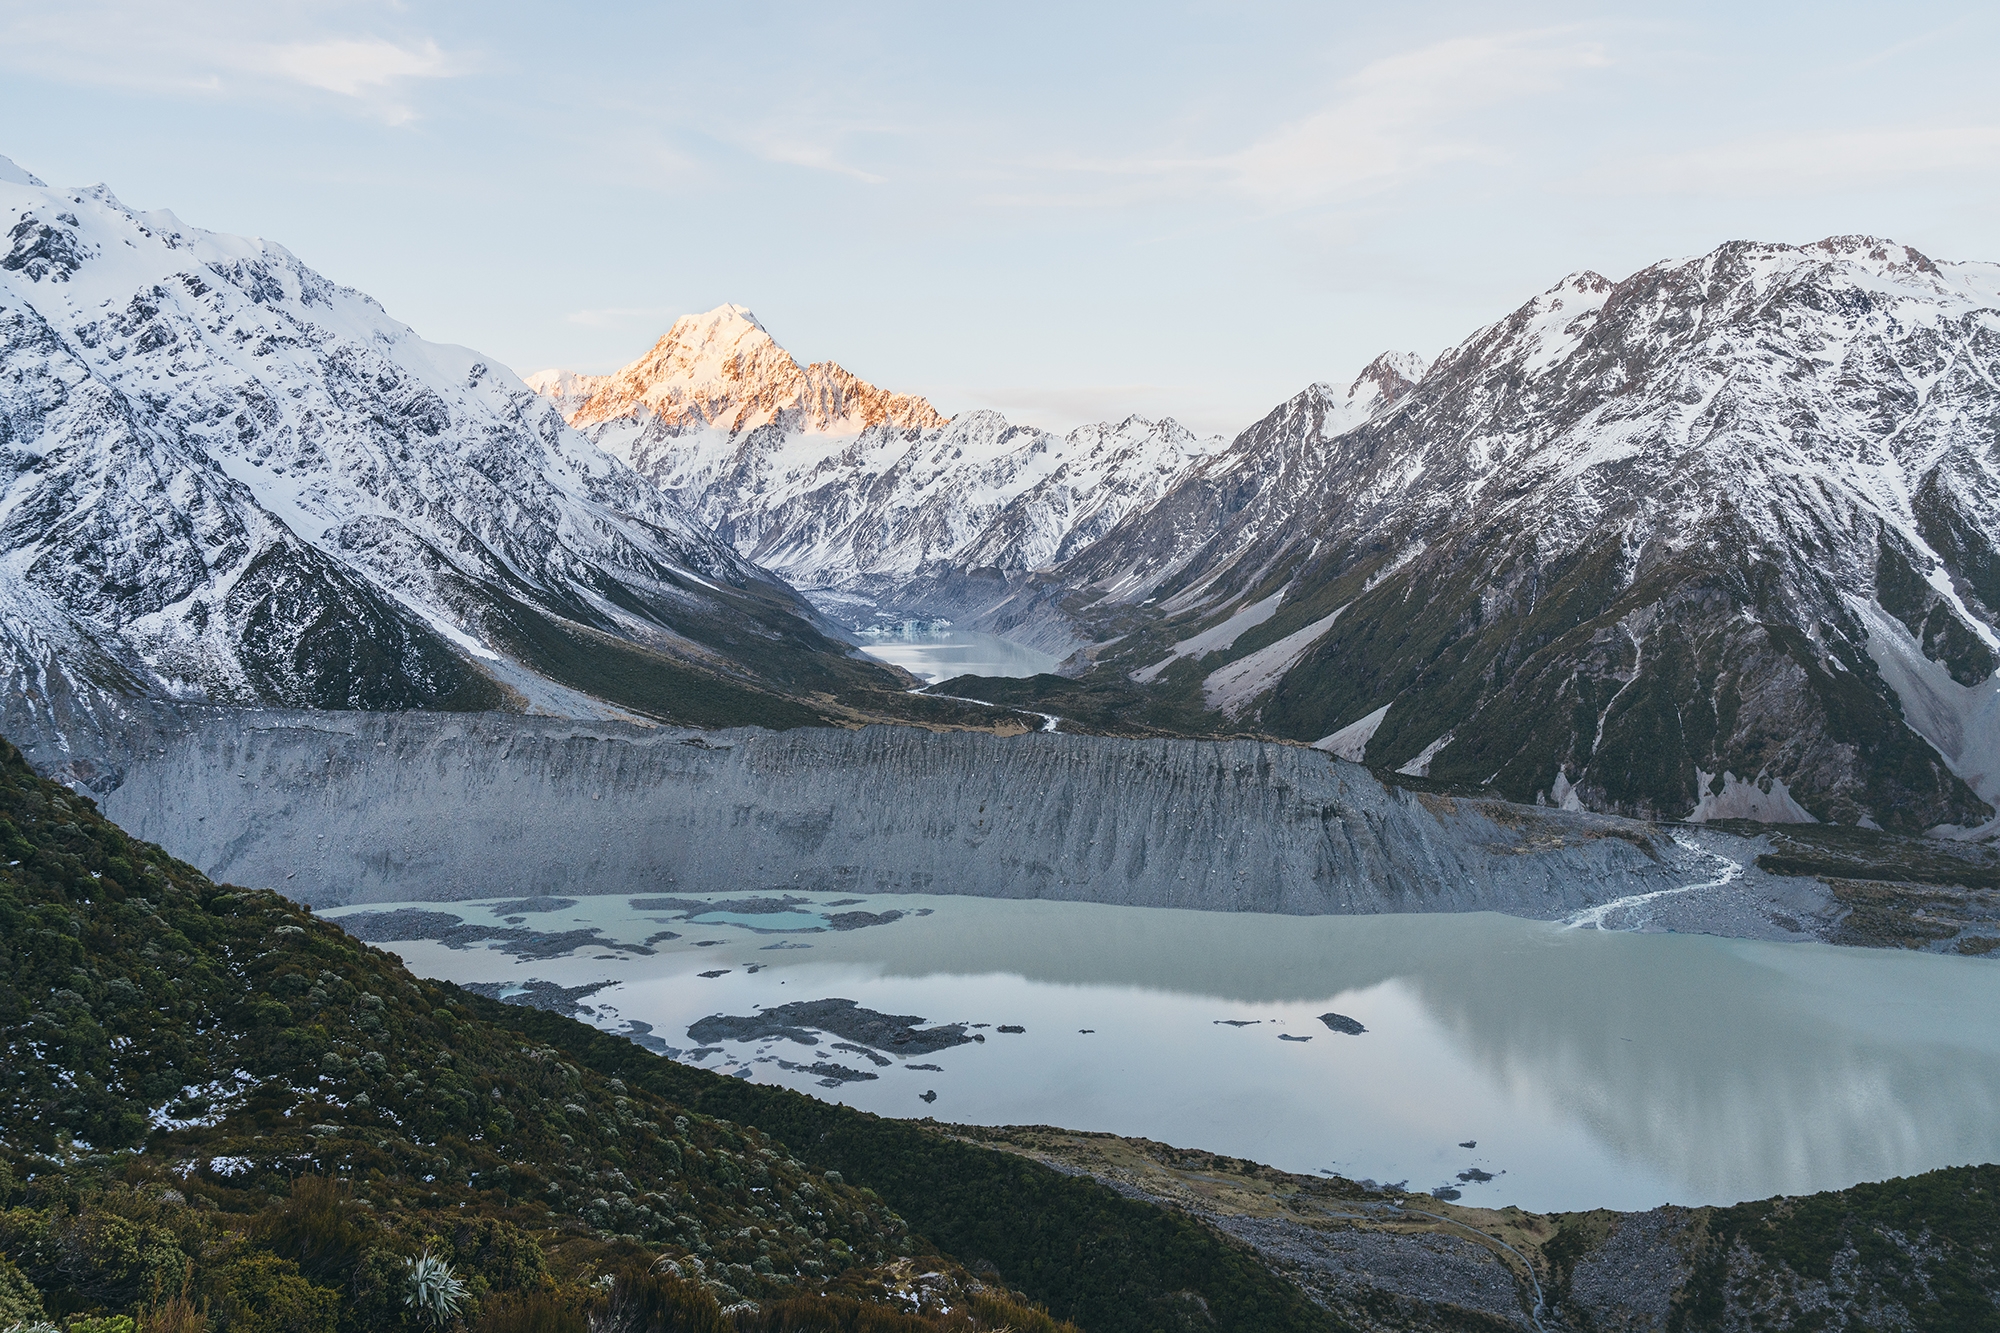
(1383, 1261)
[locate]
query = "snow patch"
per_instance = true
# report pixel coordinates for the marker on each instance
(1559, 317)
(568, 390)
(1420, 767)
(1962, 722)
(1402, 558)
(1351, 741)
(12, 174)
(1232, 687)
(1219, 637)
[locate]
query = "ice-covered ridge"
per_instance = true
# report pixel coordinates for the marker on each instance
(722, 370)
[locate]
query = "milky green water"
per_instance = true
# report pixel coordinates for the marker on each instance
(937, 655)
(1588, 1068)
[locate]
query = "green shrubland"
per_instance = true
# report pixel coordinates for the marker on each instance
(1109, 1263)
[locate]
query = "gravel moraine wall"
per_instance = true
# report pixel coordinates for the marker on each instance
(343, 807)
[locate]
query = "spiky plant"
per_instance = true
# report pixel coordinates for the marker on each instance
(435, 1292)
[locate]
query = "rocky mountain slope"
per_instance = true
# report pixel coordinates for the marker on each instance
(224, 477)
(1720, 539)
(838, 485)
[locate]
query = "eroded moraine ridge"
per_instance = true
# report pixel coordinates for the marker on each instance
(341, 807)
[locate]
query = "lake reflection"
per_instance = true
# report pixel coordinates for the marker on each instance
(1586, 1068)
(939, 654)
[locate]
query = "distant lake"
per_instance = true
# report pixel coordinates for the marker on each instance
(1577, 1068)
(939, 654)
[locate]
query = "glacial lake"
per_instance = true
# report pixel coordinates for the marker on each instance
(940, 654)
(1577, 1068)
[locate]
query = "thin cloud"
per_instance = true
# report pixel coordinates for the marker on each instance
(1907, 45)
(227, 49)
(1402, 116)
(1817, 163)
(356, 68)
(1388, 123)
(816, 149)
(817, 157)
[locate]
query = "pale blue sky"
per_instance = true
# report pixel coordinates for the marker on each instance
(1069, 212)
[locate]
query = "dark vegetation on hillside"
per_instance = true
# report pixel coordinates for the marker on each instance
(1527, 665)
(1869, 854)
(1900, 892)
(316, 636)
(1101, 703)
(1111, 1264)
(1921, 1254)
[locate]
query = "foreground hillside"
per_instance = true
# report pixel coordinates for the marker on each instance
(1917, 1253)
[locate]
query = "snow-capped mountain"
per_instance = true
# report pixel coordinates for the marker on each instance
(1247, 490)
(224, 477)
(838, 485)
(1720, 539)
(723, 372)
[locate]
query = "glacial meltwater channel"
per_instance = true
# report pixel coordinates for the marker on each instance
(939, 654)
(1577, 1068)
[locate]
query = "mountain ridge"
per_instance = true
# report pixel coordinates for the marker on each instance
(881, 512)
(1777, 459)
(723, 370)
(841, 486)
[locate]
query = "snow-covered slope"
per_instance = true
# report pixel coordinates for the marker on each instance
(1720, 539)
(566, 389)
(223, 476)
(1245, 494)
(836, 484)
